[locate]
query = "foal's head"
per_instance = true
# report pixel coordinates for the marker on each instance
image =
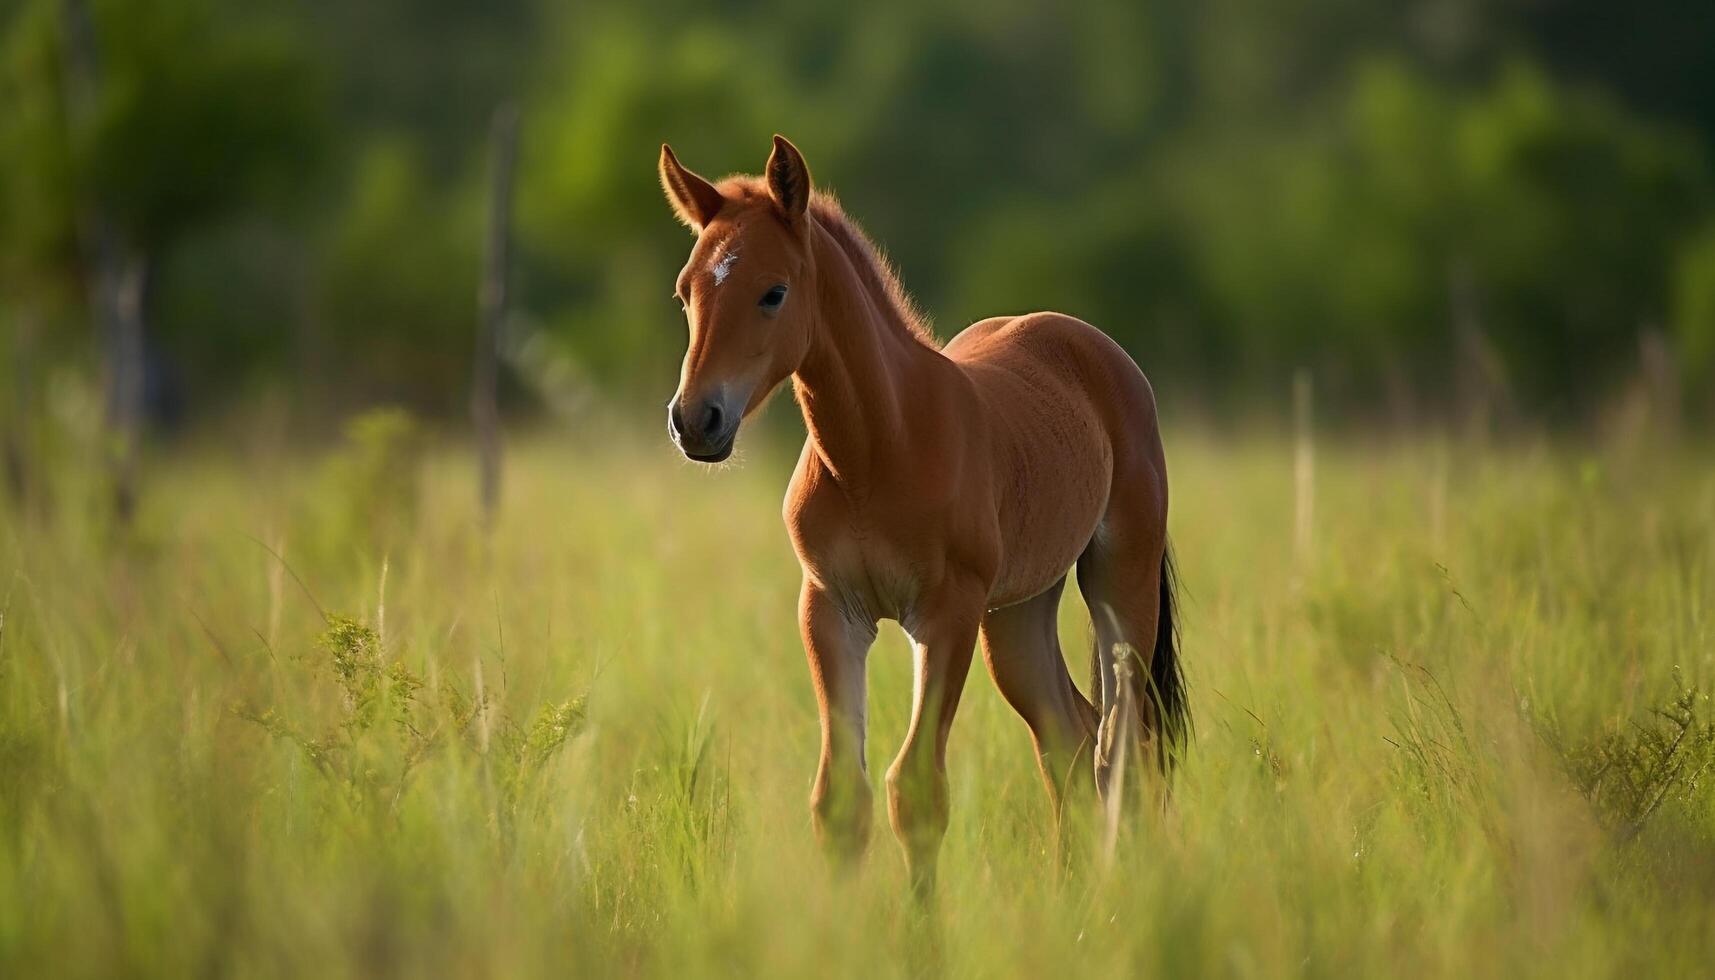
(748, 293)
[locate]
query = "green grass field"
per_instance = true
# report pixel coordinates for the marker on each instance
(1465, 733)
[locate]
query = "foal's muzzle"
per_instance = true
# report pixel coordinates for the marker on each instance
(704, 429)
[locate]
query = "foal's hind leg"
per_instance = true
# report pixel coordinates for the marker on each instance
(1120, 577)
(1022, 647)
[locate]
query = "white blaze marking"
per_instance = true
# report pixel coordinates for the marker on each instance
(723, 266)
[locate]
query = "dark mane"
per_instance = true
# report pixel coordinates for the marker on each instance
(866, 257)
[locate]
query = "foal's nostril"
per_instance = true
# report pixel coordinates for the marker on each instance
(712, 424)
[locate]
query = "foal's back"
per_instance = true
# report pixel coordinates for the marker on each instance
(1068, 413)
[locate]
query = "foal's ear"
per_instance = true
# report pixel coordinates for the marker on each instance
(694, 199)
(788, 178)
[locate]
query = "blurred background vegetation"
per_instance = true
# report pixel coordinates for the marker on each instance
(1448, 211)
(304, 716)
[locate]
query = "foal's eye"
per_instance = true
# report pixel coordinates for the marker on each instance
(772, 299)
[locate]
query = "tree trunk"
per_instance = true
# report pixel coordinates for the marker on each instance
(1303, 467)
(115, 277)
(492, 303)
(1480, 377)
(125, 376)
(1658, 373)
(20, 431)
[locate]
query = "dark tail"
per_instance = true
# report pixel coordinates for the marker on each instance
(1166, 674)
(1162, 685)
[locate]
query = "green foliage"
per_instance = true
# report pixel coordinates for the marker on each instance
(1584, 210)
(388, 726)
(373, 484)
(399, 283)
(1321, 200)
(375, 740)
(372, 686)
(1345, 242)
(201, 112)
(1630, 770)
(36, 242)
(1372, 191)
(1694, 311)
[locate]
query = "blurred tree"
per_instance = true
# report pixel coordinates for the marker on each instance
(1576, 213)
(135, 125)
(1654, 56)
(395, 281)
(37, 247)
(1694, 316)
(1385, 193)
(37, 252)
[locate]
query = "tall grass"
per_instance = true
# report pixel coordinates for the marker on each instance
(308, 719)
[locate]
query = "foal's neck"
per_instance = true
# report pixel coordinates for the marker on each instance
(865, 370)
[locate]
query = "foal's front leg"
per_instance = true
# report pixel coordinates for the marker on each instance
(943, 636)
(838, 647)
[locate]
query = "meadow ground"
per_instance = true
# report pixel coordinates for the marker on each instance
(1465, 732)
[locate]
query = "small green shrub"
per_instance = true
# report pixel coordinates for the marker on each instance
(1630, 771)
(373, 485)
(389, 723)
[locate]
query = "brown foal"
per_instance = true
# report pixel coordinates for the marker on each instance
(951, 490)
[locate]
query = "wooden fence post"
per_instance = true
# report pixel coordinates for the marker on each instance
(492, 307)
(1304, 468)
(20, 435)
(116, 277)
